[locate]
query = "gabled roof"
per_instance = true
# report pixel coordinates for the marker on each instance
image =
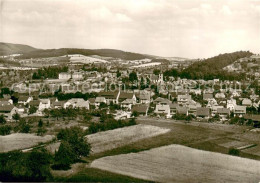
(174, 106)
(254, 117)
(6, 108)
(34, 103)
(207, 96)
(240, 109)
(58, 103)
(185, 97)
(128, 101)
(202, 111)
(182, 110)
(44, 101)
(246, 102)
(91, 100)
(140, 108)
(3, 103)
(162, 100)
(100, 99)
(223, 111)
(109, 94)
(23, 98)
(125, 95)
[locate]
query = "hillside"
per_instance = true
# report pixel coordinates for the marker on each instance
(87, 52)
(9, 48)
(213, 67)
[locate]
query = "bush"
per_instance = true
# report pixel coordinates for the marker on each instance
(234, 152)
(5, 130)
(72, 147)
(25, 167)
(2, 119)
(110, 125)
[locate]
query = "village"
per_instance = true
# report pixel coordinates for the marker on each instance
(135, 92)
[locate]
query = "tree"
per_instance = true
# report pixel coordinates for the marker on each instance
(40, 123)
(74, 146)
(32, 110)
(16, 116)
(118, 74)
(135, 114)
(64, 157)
(133, 77)
(2, 119)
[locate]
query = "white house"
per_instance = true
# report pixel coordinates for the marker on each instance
(163, 110)
(64, 75)
(231, 104)
(44, 104)
(77, 75)
(77, 102)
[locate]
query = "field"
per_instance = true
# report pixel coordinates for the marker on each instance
(111, 139)
(21, 141)
(177, 163)
(204, 136)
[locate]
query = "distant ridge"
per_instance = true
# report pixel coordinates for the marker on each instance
(10, 48)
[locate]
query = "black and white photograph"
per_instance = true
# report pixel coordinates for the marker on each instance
(127, 91)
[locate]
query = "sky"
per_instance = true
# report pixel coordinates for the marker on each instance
(169, 28)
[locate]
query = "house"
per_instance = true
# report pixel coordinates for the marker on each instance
(122, 115)
(141, 109)
(58, 104)
(44, 104)
(21, 109)
(223, 113)
(162, 101)
(6, 100)
(163, 110)
(203, 113)
(92, 101)
(143, 98)
(99, 100)
(77, 103)
(127, 103)
(110, 96)
(220, 96)
(192, 109)
(64, 75)
(34, 103)
(240, 110)
(247, 102)
(173, 108)
(24, 99)
(231, 104)
(255, 118)
(215, 109)
(183, 99)
(208, 96)
(8, 111)
(77, 75)
(124, 95)
(182, 110)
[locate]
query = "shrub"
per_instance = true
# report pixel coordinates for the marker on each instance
(234, 152)
(5, 130)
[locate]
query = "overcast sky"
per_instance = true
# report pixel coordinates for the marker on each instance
(191, 29)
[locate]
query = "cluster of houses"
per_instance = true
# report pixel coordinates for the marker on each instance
(140, 101)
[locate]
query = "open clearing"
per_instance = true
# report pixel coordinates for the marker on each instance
(111, 139)
(177, 163)
(21, 141)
